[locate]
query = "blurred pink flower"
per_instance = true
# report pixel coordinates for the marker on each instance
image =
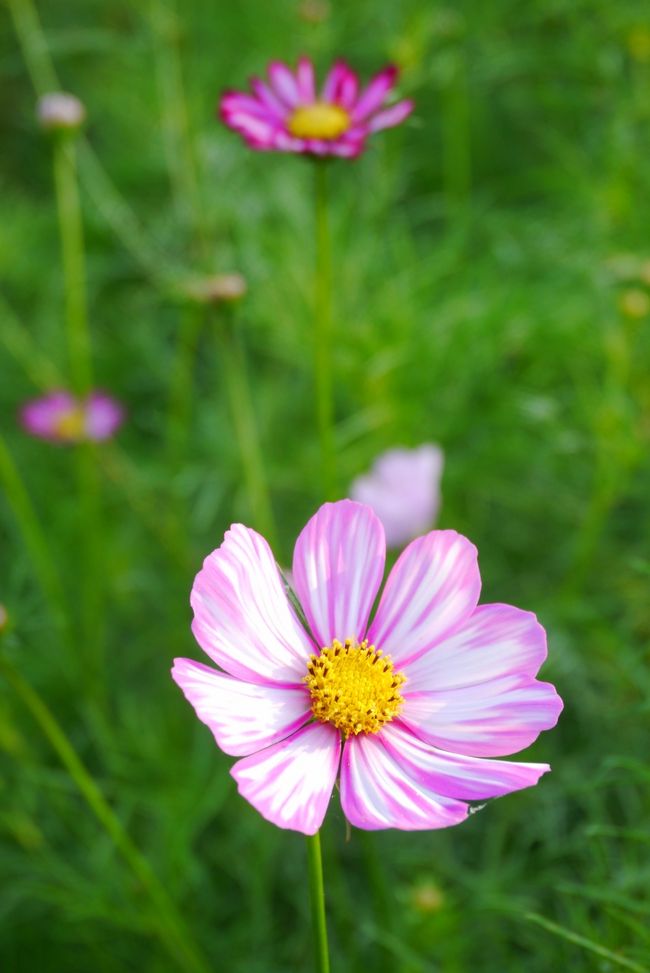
(403, 488)
(59, 111)
(63, 418)
(405, 708)
(287, 114)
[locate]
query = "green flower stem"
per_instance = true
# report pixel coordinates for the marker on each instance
(74, 261)
(323, 329)
(317, 897)
(233, 368)
(182, 381)
(34, 539)
(171, 928)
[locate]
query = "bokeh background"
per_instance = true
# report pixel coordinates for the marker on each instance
(491, 294)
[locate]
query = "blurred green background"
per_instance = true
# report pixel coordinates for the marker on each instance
(491, 294)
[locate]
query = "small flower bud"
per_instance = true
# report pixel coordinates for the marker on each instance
(217, 289)
(314, 11)
(4, 618)
(60, 112)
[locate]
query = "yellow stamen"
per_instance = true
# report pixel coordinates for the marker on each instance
(354, 687)
(318, 121)
(71, 425)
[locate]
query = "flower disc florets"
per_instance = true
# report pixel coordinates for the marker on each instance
(354, 687)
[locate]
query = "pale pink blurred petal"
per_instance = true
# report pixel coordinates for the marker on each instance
(243, 717)
(391, 116)
(434, 586)
(341, 85)
(41, 417)
(453, 775)
(242, 618)
(497, 640)
(103, 416)
(377, 792)
(403, 488)
(489, 719)
(338, 565)
(291, 783)
(276, 109)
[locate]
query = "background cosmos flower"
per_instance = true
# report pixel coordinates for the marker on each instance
(409, 718)
(63, 418)
(403, 488)
(289, 115)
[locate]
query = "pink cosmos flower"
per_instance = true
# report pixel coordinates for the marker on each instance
(289, 115)
(407, 707)
(403, 488)
(61, 417)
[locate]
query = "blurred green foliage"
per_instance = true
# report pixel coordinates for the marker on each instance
(492, 274)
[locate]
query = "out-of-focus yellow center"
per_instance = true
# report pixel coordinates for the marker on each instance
(71, 425)
(354, 687)
(318, 121)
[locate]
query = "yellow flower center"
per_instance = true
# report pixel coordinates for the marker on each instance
(318, 121)
(71, 425)
(354, 687)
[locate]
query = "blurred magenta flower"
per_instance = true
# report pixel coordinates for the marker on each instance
(403, 488)
(405, 707)
(63, 418)
(289, 115)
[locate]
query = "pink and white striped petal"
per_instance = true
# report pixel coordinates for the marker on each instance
(497, 640)
(391, 116)
(453, 775)
(377, 793)
(243, 717)
(306, 81)
(284, 84)
(338, 565)
(291, 783)
(488, 719)
(242, 618)
(341, 86)
(433, 588)
(375, 93)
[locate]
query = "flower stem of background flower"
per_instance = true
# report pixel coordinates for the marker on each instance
(171, 928)
(317, 897)
(81, 374)
(233, 369)
(323, 329)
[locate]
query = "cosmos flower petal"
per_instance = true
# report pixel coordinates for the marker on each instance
(103, 416)
(377, 793)
(453, 775)
(242, 618)
(338, 565)
(391, 116)
(433, 587)
(276, 109)
(284, 84)
(243, 717)
(489, 719)
(291, 783)
(375, 93)
(306, 81)
(341, 85)
(497, 640)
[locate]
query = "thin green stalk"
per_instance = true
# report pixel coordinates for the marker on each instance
(182, 374)
(323, 330)
(171, 928)
(233, 362)
(317, 899)
(34, 539)
(74, 262)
